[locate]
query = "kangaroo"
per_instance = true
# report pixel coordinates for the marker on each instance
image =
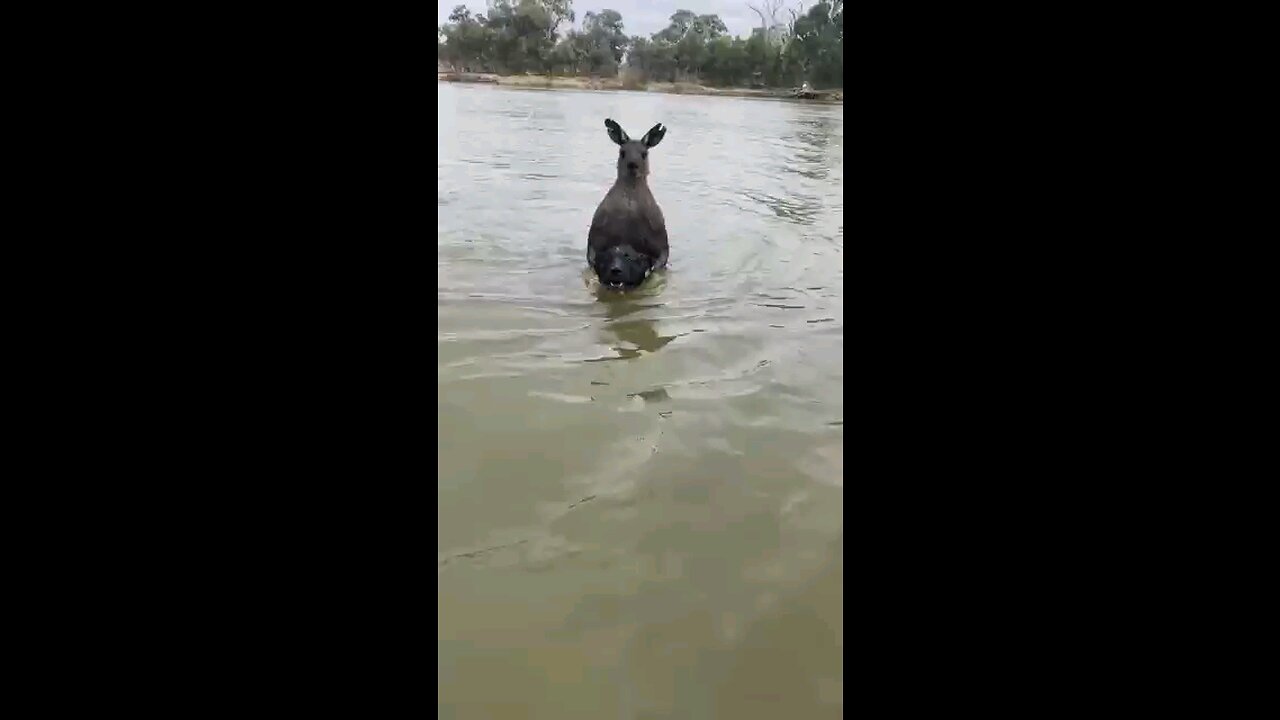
(628, 236)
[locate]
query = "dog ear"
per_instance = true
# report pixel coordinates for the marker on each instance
(654, 136)
(616, 133)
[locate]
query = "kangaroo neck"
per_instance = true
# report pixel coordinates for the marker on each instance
(630, 185)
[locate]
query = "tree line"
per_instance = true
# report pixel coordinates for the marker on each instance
(791, 45)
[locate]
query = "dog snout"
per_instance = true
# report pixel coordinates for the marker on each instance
(615, 273)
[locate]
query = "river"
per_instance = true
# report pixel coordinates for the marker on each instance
(640, 495)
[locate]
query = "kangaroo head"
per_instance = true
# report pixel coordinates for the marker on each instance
(633, 155)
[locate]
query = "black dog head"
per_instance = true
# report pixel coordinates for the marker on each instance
(622, 266)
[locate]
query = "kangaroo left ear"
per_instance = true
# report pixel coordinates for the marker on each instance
(616, 133)
(654, 136)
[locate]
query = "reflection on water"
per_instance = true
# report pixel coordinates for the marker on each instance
(638, 332)
(640, 494)
(630, 337)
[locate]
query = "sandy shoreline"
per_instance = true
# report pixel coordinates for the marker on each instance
(580, 83)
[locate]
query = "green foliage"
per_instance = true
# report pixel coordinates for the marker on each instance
(817, 43)
(604, 32)
(526, 36)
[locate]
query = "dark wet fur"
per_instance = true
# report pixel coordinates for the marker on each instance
(623, 263)
(628, 235)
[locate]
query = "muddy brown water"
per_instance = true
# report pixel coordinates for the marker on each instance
(640, 495)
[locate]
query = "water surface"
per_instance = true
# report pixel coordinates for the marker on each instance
(640, 495)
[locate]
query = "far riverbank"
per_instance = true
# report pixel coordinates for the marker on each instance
(833, 96)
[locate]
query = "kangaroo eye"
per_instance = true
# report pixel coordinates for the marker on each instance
(644, 154)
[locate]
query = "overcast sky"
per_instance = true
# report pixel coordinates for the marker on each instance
(645, 17)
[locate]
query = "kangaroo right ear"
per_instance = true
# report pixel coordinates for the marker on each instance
(654, 136)
(616, 133)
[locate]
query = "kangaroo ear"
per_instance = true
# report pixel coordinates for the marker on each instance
(616, 133)
(654, 136)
